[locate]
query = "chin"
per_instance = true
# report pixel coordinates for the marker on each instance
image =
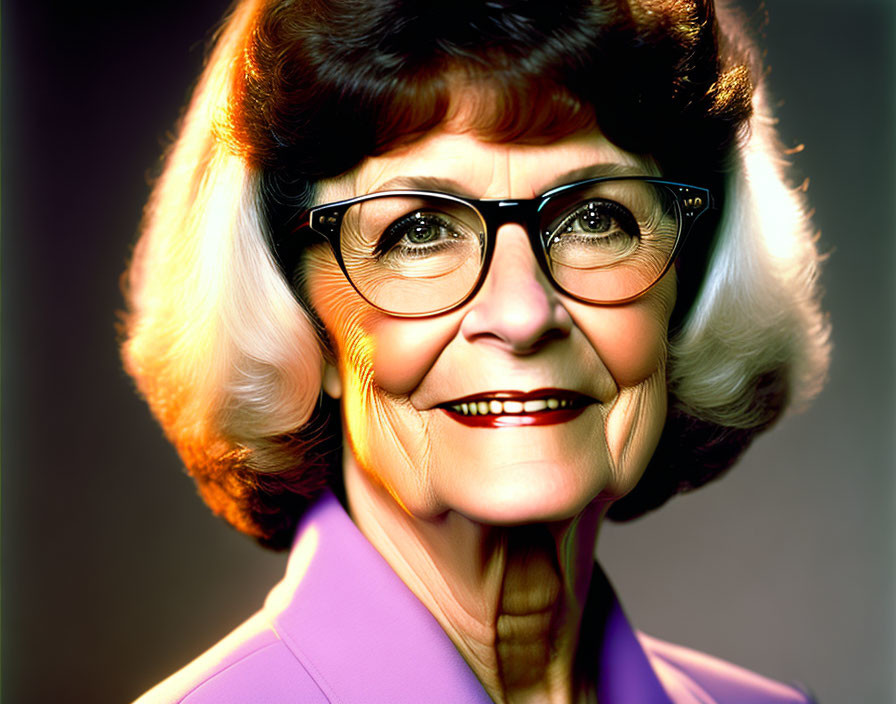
(527, 492)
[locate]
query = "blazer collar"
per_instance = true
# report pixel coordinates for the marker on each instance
(364, 636)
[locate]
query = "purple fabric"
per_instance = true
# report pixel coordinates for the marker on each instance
(342, 627)
(353, 623)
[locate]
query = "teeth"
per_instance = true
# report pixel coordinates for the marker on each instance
(495, 407)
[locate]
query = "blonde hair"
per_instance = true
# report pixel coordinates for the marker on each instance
(758, 311)
(217, 343)
(230, 363)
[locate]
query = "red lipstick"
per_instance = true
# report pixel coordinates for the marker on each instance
(514, 409)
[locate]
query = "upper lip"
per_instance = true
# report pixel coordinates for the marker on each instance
(561, 394)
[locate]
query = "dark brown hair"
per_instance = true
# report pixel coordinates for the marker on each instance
(327, 83)
(324, 84)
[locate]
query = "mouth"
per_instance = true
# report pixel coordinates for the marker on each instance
(505, 409)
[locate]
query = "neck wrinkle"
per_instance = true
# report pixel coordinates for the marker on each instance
(492, 589)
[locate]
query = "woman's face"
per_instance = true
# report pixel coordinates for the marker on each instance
(517, 339)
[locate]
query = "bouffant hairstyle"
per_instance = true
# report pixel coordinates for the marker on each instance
(296, 91)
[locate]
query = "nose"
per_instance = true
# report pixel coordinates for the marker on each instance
(517, 307)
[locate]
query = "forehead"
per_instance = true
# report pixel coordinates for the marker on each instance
(460, 161)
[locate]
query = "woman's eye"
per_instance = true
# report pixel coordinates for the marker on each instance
(599, 217)
(590, 219)
(595, 233)
(420, 233)
(423, 230)
(597, 224)
(428, 244)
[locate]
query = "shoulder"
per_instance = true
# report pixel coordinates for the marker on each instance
(703, 678)
(251, 664)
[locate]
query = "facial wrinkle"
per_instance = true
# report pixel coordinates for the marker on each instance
(420, 436)
(633, 426)
(524, 188)
(359, 380)
(360, 395)
(647, 392)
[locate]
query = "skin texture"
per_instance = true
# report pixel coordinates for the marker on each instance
(494, 528)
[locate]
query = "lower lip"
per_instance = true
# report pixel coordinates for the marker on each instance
(516, 420)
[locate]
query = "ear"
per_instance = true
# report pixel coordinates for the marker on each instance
(332, 382)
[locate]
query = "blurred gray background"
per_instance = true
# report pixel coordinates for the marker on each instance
(114, 574)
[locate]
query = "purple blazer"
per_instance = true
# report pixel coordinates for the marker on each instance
(342, 627)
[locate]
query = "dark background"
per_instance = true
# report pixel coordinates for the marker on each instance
(114, 574)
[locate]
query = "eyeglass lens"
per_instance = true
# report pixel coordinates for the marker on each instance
(415, 254)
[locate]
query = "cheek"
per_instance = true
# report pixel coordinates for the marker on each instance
(380, 359)
(392, 354)
(405, 350)
(631, 339)
(632, 342)
(630, 346)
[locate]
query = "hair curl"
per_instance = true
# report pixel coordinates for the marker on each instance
(303, 90)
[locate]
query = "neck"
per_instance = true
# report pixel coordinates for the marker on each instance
(510, 598)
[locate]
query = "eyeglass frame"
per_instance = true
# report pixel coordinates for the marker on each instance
(325, 220)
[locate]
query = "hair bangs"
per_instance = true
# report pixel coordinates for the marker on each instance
(520, 109)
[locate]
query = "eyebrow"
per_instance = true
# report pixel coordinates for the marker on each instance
(597, 171)
(454, 187)
(426, 183)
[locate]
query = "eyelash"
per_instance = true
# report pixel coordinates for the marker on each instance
(388, 241)
(620, 214)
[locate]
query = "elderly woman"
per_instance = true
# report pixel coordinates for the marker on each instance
(426, 291)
